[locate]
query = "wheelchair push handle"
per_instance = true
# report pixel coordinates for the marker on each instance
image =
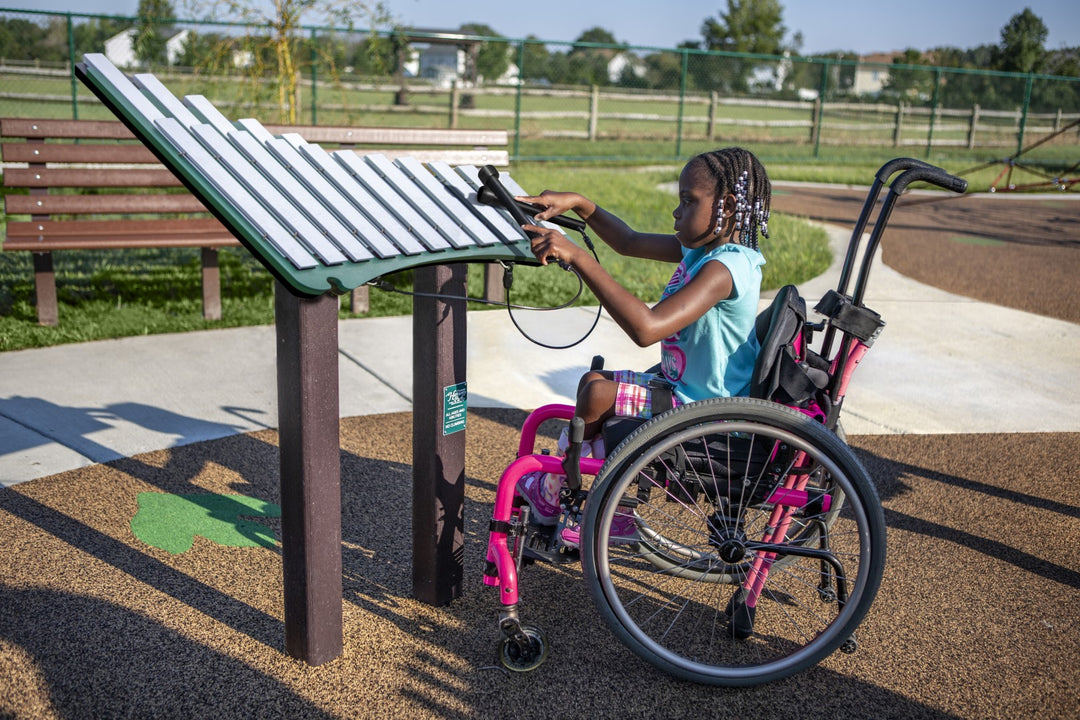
(895, 165)
(929, 174)
(913, 171)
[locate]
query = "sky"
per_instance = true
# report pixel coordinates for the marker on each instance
(862, 26)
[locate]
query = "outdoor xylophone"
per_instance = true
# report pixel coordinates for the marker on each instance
(325, 223)
(319, 221)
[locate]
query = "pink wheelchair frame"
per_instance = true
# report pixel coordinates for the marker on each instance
(797, 511)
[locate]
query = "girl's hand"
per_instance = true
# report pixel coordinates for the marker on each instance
(557, 203)
(550, 245)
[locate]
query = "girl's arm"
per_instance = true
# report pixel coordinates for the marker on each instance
(644, 325)
(608, 227)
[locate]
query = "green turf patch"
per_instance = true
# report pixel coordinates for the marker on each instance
(171, 522)
(971, 240)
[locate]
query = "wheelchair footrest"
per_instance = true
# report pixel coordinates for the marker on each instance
(542, 543)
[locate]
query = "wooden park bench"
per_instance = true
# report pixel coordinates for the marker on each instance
(132, 206)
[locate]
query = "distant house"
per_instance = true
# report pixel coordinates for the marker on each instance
(446, 61)
(770, 77)
(622, 63)
(442, 64)
(872, 73)
(120, 48)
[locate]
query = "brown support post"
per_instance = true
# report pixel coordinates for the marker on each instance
(307, 379)
(439, 352)
(48, 312)
(211, 284)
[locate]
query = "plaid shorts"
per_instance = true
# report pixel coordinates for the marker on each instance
(633, 398)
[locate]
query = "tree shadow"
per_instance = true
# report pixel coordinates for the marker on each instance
(73, 427)
(100, 660)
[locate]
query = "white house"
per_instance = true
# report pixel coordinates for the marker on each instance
(871, 74)
(120, 48)
(623, 62)
(444, 64)
(441, 63)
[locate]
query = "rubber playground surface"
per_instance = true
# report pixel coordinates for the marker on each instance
(117, 602)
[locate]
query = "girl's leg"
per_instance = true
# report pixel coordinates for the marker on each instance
(596, 401)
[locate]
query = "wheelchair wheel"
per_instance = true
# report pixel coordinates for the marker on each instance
(758, 546)
(686, 559)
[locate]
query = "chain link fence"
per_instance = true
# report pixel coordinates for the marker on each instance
(559, 101)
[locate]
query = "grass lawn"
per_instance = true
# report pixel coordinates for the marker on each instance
(108, 294)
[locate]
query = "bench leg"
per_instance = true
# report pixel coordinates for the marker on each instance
(45, 289)
(211, 284)
(493, 283)
(360, 300)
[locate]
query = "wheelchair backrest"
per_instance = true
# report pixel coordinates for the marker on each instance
(783, 372)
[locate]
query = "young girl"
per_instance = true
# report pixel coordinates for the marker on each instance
(704, 320)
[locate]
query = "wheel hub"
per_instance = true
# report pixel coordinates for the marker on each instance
(727, 537)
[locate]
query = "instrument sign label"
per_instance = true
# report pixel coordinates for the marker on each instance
(454, 407)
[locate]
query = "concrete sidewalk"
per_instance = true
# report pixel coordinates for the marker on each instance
(943, 364)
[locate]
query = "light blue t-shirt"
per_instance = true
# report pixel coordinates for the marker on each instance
(714, 356)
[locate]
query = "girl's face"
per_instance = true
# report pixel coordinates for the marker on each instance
(695, 215)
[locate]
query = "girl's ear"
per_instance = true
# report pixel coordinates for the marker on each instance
(724, 214)
(729, 205)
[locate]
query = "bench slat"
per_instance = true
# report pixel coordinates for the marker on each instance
(100, 154)
(48, 235)
(89, 177)
(71, 153)
(114, 130)
(47, 128)
(103, 204)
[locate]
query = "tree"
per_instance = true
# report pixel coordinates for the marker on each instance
(21, 39)
(285, 23)
(587, 65)
(151, 31)
(203, 50)
(748, 26)
(1022, 41)
(597, 35)
(493, 56)
(906, 82)
(663, 70)
(536, 62)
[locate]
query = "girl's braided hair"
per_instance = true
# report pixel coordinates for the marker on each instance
(737, 171)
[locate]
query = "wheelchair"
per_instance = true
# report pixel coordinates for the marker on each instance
(731, 541)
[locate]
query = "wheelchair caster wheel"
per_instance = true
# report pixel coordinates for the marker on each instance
(524, 651)
(849, 646)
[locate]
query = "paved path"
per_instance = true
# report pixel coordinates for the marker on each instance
(943, 364)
